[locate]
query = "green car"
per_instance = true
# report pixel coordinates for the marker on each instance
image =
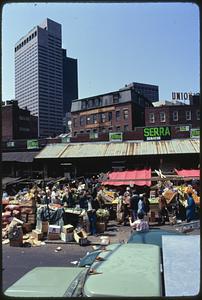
(119, 270)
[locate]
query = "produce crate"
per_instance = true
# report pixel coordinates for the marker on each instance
(27, 227)
(53, 236)
(31, 218)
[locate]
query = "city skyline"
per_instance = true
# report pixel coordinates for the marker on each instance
(141, 44)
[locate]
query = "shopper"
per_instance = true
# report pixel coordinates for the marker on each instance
(140, 224)
(163, 212)
(126, 206)
(190, 208)
(134, 205)
(141, 205)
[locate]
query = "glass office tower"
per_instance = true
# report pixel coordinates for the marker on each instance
(39, 76)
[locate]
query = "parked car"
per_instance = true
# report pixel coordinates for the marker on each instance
(113, 271)
(152, 236)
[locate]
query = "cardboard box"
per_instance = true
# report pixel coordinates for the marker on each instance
(67, 228)
(27, 227)
(67, 237)
(54, 229)
(31, 218)
(16, 243)
(42, 226)
(37, 234)
(53, 236)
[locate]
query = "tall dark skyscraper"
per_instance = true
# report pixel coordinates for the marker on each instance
(39, 71)
(70, 81)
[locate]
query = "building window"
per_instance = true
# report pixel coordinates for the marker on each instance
(115, 98)
(118, 115)
(83, 105)
(75, 122)
(198, 115)
(188, 115)
(125, 114)
(118, 128)
(110, 129)
(126, 128)
(88, 120)
(162, 116)
(109, 115)
(90, 103)
(75, 133)
(175, 115)
(151, 118)
(82, 121)
(103, 117)
(97, 102)
(94, 118)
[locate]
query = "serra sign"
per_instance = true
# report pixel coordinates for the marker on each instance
(157, 133)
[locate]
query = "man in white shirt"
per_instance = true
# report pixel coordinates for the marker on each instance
(140, 224)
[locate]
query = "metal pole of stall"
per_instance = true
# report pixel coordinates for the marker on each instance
(46, 196)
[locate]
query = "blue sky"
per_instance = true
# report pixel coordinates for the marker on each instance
(115, 44)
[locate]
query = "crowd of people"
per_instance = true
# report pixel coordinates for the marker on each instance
(89, 194)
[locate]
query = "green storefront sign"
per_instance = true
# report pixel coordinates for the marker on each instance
(195, 133)
(115, 136)
(10, 144)
(32, 144)
(184, 128)
(157, 133)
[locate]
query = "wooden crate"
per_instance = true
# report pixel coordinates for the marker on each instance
(53, 236)
(27, 227)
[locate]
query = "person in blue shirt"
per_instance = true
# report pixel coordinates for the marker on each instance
(190, 208)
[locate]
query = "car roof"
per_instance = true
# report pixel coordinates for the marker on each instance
(152, 236)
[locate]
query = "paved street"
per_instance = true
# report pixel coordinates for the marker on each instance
(19, 260)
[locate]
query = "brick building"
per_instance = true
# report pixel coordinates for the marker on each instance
(122, 110)
(173, 115)
(17, 123)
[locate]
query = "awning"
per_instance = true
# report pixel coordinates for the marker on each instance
(19, 156)
(137, 177)
(127, 148)
(188, 173)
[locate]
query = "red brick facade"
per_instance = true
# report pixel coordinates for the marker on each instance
(116, 117)
(174, 115)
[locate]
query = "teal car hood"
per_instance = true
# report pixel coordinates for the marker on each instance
(128, 270)
(44, 282)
